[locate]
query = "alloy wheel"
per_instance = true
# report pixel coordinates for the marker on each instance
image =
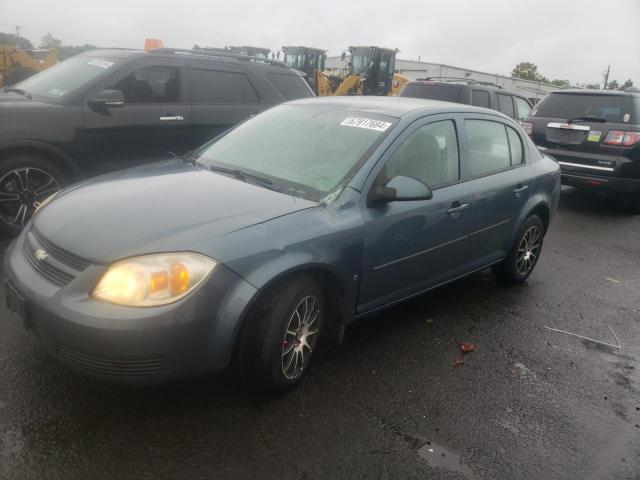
(21, 192)
(300, 337)
(529, 250)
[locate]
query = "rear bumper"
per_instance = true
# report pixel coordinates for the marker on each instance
(610, 184)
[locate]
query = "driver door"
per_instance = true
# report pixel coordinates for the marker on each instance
(413, 245)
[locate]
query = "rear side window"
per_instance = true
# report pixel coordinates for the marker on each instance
(480, 98)
(488, 146)
(214, 86)
(522, 107)
(612, 108)
(432, 91)
(290, 86)
(515, 146)
(505, 104)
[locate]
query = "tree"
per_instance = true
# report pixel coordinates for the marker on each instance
(11, 39)
(49, 41)
(613, 85)
(627, 84)
(560, 83)
(592, 86)
(526, 71)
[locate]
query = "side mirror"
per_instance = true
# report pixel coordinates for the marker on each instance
(399, 189)
(108, 99)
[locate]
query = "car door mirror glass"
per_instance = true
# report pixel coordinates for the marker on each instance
(108, 99)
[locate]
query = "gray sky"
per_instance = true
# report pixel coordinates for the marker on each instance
(567, 39)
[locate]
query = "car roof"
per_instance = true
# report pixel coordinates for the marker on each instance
(392, 106)
(590, 91)
(470, 84)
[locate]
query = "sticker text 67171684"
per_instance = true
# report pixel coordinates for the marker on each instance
(367, 123)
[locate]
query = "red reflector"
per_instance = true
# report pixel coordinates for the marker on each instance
(593, 182)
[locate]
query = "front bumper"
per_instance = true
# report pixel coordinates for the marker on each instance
(133, 345)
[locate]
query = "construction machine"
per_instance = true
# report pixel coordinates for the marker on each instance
(308, 60)
(17, 64)
(370, 71)
(258, 52)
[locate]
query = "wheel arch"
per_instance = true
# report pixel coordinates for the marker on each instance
(61, 159)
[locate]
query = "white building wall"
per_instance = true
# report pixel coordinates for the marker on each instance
(414, 69)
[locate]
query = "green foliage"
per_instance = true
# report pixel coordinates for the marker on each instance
(592, 86)
(613, 85)
(526, 71)
(560, 83)
(11, 39)
(49, 41)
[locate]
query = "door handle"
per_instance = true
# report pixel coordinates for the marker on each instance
(172, 118)
(519, 189)
(456, 208)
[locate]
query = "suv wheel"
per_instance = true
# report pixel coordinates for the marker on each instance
(279, 339)
(26, 180)
(524, 253)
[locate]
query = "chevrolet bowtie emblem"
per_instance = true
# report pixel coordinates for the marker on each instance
(40, 255)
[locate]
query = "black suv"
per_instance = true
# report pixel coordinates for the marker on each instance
(108, 109)
(595, 137)
(470, 92)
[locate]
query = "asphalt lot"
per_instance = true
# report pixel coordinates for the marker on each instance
(528, 403)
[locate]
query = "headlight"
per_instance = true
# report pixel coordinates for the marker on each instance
(153, 280)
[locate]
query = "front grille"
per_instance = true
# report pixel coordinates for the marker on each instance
(112, 366)
(52, 262)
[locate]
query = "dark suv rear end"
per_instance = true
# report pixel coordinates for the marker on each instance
(470, 92)
(595, 137)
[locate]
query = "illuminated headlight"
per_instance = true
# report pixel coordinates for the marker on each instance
(153, 280)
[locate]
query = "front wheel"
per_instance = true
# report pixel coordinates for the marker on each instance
(26, 180)
(524, 253)
(280, 337)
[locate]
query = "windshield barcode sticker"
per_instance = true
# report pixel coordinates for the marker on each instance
(96, 62)
(367, 123)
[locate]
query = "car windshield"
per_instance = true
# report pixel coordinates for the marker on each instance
(612, 108)
(294, 58)
(305, 150)
(65, 78)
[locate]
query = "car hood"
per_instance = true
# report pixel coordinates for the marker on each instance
(167, 206)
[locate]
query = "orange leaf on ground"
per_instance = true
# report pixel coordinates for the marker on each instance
(466, 347)
(458, 362)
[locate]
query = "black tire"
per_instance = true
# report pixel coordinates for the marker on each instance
(24, 182)
(523, 256)
(264, 340)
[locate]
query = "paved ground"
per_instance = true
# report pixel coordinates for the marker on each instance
(527, 404)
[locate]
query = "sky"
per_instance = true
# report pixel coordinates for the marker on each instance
(566, 39)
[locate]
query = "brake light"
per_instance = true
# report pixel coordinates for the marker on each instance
(527, 127)
(624, 139)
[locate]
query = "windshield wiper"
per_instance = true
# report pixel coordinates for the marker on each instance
(244, 176)
(587, 118)
(20, 91)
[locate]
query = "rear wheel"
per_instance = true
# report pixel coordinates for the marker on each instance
(524, 253)
(26, 180)
(280, 337)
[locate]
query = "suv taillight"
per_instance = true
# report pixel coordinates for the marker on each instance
(625, 139)
(527, 127)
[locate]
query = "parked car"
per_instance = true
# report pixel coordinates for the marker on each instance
(470, 92)
(300, 220)
(109, 109)
(595, 137)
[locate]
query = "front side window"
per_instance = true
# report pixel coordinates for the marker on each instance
(429, 154)
(307, 151)
(505, 104)
(480, 98)
(152, 84)
(522, 107)
(218, 87)
(488, 146)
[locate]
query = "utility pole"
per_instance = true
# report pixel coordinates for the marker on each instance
(18, 27)
(606, 77)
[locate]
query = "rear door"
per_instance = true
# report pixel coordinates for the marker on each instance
(574, 126)
(152, 122)
(411, 246)
(501, 181)
(222, 94)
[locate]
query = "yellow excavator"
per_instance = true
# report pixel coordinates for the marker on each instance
(308, 60)
(370, 71)
(17, 64)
